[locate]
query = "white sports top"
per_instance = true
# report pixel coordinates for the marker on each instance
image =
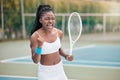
(48, 48)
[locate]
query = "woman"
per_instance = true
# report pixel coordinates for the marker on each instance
(46, 47)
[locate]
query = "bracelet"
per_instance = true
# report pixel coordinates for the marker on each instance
(38, 51)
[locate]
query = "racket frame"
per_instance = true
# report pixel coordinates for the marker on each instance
(72, 42)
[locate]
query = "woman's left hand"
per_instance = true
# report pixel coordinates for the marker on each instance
(69, 57)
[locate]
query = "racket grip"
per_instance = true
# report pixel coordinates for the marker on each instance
(70, 53)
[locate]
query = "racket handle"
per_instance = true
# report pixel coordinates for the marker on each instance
(70, 53)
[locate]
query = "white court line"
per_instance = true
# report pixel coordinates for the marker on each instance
(18, 76)
(83, 47)
(96, 62)
(12, 59)
(26, 77)
(76, 65)
(90, 66)
(82, 61)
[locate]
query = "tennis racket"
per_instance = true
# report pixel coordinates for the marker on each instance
(74, 29)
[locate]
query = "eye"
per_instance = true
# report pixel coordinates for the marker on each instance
(46, 18)
(53, 18)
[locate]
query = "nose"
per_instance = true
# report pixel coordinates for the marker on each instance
(50, 20)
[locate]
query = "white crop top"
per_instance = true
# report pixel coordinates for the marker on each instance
(48, 48)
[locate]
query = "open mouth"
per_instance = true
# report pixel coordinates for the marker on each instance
(50, 25)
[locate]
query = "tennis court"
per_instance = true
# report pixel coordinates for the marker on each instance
(96, 54)
(89, 55)
(91, 62)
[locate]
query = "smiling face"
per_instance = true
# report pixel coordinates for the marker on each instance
(48, 20)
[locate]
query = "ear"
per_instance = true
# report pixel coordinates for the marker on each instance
(40, 20)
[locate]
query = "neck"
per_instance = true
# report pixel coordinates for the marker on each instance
(47, 31)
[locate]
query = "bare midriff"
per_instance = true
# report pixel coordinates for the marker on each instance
(50, 59)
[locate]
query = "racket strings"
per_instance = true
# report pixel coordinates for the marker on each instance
(74, 26)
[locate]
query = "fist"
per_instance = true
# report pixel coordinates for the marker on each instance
(69, 57)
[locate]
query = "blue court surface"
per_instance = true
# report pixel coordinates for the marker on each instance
(107, 56)
(90, 55)
(16, 78)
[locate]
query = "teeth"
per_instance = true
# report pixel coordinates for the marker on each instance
(49, 24)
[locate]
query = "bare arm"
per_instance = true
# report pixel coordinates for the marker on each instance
(61, 51)
(33, 43)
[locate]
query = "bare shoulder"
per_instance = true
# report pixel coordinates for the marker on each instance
(60, 33)
(33, 38)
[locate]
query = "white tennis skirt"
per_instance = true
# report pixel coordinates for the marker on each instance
(54, 72)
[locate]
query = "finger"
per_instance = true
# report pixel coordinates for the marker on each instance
(69, 55)
(38, 39)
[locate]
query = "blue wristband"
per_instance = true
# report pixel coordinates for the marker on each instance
(38, 51)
